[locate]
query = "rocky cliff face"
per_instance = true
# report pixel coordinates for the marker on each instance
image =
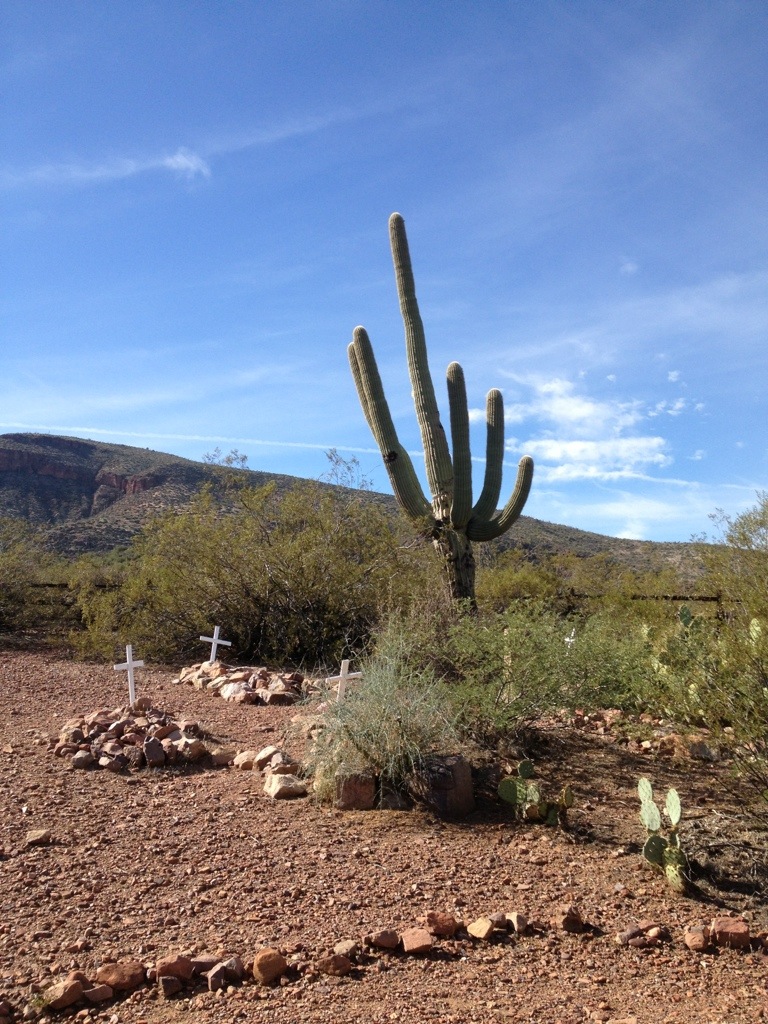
(104, 486)
(36, 464)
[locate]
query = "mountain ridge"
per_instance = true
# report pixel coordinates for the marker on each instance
(88, 495)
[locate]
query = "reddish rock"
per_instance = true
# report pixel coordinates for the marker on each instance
(348, 948)
(122, 977)
(268, 965)
(235, 968)
(98, 993)
(154, 753)
(284, 787)
(355, 792)
(203, 963)
(174, 967)
(82, 759)
(63, 994)
(697, 938)
(218, 977)
(482, 928)
(442, 925)
(246, 759)
(169, 985)
(79, 976)
(336, 965)
(37, 837)
(518, 922)
(732, 932)
(416, 940)
(384, 938)
(569, 919)
(264, 756)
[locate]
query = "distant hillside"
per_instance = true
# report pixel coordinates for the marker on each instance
(93, 496)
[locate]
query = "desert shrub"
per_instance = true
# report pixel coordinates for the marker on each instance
(503, 671)
(23, 564)
(389, 725)
(608, 663)
(714, 670)
(507, 669)
(513, 576)
(530, 661)
(292, 578)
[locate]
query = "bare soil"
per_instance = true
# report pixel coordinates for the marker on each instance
(146, 864)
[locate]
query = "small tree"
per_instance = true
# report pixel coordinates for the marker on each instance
(450, 519)
(22, 560)
(298, 577)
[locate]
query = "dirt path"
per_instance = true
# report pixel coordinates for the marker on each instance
(151, 863)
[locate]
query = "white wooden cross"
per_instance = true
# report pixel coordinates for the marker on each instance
(215, 642)
(342, 678)
(129, 665)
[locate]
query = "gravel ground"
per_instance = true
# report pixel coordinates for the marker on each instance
(156, 862)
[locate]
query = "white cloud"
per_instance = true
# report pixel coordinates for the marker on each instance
(576, 437)
(184, 161)
(610, 459)
(189, 164)
(629, 268)
(673, 376)
(668, 408)
(558, 403)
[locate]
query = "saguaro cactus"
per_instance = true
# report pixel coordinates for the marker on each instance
(450, 518)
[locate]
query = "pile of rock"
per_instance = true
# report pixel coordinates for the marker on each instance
(281, 780)
(129, 738)
(244, 685)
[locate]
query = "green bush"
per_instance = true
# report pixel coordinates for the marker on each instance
(388, 725)
(513, 668)
(294, 578)
(24, 606)
(714, 670)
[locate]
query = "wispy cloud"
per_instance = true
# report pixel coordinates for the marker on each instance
(184, 163)
(575, 437)
(138, 435)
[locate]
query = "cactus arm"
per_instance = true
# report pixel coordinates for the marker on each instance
(360, 379)
(488, 501)
(436, 454)
(462, 459)
(402, 475)
(489, 529)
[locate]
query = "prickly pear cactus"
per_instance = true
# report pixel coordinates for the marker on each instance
(513, 790)
(675, 865)
(663, 852)
(526, 797)
(673, 808)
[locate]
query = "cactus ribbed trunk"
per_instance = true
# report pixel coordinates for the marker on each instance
(449, 518)
(455, 549)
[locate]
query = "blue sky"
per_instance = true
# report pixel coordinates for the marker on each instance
(195, 200)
